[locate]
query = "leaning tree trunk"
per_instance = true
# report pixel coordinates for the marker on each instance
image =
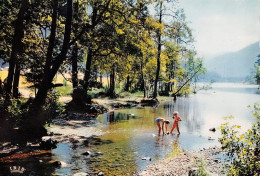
(16, 81)
(16, 45)
(158, 54)
(189, 79)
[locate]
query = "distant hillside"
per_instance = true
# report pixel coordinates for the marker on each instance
(236, 65)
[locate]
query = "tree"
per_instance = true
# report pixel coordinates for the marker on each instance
(173, 66)
(33, 122)
(113, 40)
(171, 26)
(16, 46)
(159, 43)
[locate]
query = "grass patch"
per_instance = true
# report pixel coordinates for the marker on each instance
(65, 90)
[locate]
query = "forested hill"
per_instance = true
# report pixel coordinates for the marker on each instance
(235, 65)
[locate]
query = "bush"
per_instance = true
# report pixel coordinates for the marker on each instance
(53, 107)
(201, 165)
(13, 110)
(124, 94)
(80, 95)
(242, 149)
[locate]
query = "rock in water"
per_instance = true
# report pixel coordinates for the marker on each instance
(212, 129)
(147, 158)
(86, 153)
(48, 143)
(149, 102)
(56, 163)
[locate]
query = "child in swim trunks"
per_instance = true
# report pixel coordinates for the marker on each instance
(176, 122)
(164, 123)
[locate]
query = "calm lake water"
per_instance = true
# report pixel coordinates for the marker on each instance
(130, 135)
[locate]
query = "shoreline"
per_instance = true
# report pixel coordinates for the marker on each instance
(187, 163)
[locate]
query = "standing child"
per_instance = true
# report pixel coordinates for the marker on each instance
(164, 123)
(176, 122)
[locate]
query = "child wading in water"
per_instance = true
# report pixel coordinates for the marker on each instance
(176, 122)
(164, 123)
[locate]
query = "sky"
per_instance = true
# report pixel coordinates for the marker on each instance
(221, 26)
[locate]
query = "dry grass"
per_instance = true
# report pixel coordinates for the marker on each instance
(22, 82)
(26, 92)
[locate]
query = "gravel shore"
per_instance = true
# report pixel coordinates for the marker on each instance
(187, 163)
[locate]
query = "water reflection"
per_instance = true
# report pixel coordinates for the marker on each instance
(115, 117)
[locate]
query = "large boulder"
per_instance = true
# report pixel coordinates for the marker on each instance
(149, 102)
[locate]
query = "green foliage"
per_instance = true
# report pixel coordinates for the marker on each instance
(243, 149)
(124, 94)
(14, 109)
(53, 107)
(201, 168)
(64, 90)
(81, 96)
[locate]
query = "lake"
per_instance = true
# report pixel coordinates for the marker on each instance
(130, 137)
(127, 140)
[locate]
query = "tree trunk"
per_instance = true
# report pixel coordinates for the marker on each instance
(35, 120)
(194, 74)
(16, 81)
(101, 80)
(142, 87)
(112, 83)
(168, 86)
(158, 53)
(74, 61)
(142, 77)
(16, 45)
(52, 38)
(144, 90)
(49, 73)
(108, 84)
(95, 73)
(127, 83)
(74, 57)
(88, 69)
